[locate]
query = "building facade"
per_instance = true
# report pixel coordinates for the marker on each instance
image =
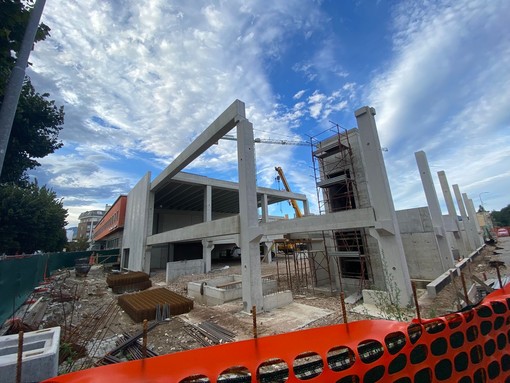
(109, 230)
(88, 221)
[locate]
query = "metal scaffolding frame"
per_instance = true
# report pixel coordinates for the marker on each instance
(337, 190)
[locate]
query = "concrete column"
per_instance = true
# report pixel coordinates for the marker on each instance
(452, 213)
(267, 251)
(250, 233)
(470, 207)
(207, 248)
(386, 230)
(264, 208)
(208, 203)
(148, 231)
(443, 247)
(306, 208)
(467, 225)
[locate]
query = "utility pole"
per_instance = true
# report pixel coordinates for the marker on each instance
(13, 89)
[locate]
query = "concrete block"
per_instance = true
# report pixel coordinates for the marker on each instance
(176, 269)
(40, 355)
(277, 300)
(212, 292)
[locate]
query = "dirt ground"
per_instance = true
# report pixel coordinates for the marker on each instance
(92, 322)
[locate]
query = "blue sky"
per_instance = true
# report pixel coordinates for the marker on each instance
(140, 79)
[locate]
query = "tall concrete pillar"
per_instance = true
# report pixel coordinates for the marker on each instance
(250, 233)
(445, 252)
(468, 229)
(306, 208)
(207, 248)
(264, 208)
(208, 203)
(470, 207)
(387, 231)
(452, 213)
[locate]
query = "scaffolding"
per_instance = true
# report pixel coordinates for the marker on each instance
(346, 251)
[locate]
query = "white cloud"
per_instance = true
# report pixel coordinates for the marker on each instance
(446, 92)
(142, 80)
(299, 94)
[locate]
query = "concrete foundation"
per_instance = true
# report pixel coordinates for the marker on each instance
(40, 355)
(212, 292)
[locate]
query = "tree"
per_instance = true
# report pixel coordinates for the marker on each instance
(34, 134)
(31, 218)
(38, 120)
(14, 15)
(502, 217)
(80, 244)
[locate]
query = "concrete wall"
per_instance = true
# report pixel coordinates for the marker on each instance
(176, 269)
(136, 225)
(420, 243)
(165, 220)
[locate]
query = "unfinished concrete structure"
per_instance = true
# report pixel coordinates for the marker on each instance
(181, 221)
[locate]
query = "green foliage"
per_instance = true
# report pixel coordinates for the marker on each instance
(502, 217)
(38, 120)
(14, 15)
(80, 244)
(34, 134)
(387, 302)
(31, 218)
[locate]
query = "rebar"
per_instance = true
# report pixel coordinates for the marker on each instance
(20, 357)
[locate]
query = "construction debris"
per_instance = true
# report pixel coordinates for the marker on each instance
(208, 333)
(128, 348)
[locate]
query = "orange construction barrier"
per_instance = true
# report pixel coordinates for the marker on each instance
(468, 346)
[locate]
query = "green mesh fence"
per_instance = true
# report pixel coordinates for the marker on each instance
(20, 275)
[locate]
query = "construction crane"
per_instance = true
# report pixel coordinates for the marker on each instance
(293, 202)
(278, 169)
(270, 141)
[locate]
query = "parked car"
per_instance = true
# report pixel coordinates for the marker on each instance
(502, 232)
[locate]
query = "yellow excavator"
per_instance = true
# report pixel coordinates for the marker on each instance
(293, 202)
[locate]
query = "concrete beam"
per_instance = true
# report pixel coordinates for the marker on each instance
(221, 126)
(219, 227)
(221, 184)
(347, 219)
(436, 216)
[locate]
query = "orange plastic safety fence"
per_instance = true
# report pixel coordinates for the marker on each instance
(466, 347)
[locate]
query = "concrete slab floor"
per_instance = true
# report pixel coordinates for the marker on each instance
(291, 317)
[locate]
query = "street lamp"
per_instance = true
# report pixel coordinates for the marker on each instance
(480, 196)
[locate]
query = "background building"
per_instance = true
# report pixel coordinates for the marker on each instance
(109, 230)
(88, 221)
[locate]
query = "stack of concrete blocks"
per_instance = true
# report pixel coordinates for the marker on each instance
(40, 355)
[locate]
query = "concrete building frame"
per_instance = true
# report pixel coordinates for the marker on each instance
(152, 207)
